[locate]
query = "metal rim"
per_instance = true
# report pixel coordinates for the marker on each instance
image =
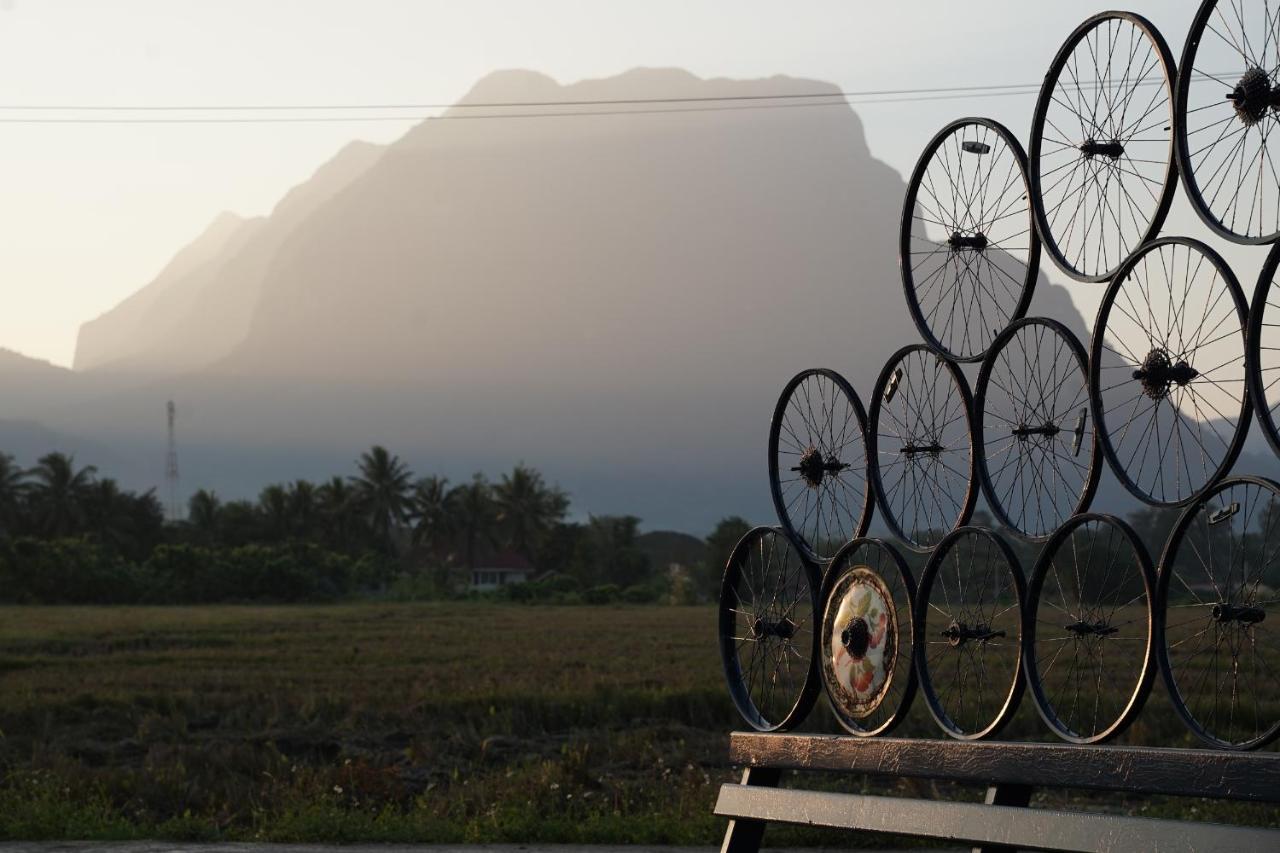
(1091, 626)
(1105, 144)
(834, 498)
(1144, 383)
(779, 637)
(1060, 412)
(888, 563)
(1237, 124)
(985, 214)
(977, 620)
(1223, 606)
(900, 436)
(1259, 380)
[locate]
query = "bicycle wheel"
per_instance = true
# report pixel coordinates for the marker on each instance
(921, 446)
(1263, 361)
(1101, 161)
(1226, 107)
(1167, 371)
(967, 244)
(1037, 453)
(1088, 648)
(768, 634)
(968, 633)
(1216, 607)
(818, 463)
(865, 645)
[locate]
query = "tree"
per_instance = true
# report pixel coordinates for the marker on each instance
(612, 551)
(336, 506)
(273, 504)
(382, 491)
(13, 490)
(527, 509)
(303, 509)
(477, 515)
(720, 544)
(435, 514)
(203, 515)
(57, 494)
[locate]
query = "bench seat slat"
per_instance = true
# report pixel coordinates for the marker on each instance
(1173, 772)
(1032, 829)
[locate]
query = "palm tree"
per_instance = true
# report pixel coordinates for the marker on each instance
(303, 509)
(336, 505)
(203, 510)
(273, 504)
(527, 509)
(57, 493)
(108, 512)
(382, 491)
(13, 490)
(434, 510)
(476, 515)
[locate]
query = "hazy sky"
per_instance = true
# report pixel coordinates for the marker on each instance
(91, 212)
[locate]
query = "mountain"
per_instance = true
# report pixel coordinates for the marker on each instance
(616, 299)
(200, 305)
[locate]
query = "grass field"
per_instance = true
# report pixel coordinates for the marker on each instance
(368, 722)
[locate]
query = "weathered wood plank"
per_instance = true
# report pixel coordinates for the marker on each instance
(1174, 772)
(974, 823)
(744, 835)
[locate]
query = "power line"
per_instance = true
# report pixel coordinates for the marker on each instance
(804, 99)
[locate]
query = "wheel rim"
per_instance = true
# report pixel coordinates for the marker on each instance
(1037, 453)
(968, 248)
(1088, 632)
(969, 633)
(768, 630)
(1167, 371)
(1263, 362)
(1227, 101)
(850, 709)
(818, 463)
(921, 444)
(1216, 604)
(1101, 160)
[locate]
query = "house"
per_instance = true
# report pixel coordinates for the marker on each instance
(500, 569)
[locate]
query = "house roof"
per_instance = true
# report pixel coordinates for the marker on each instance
(507, 560)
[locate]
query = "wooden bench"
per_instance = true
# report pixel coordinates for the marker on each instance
(1011, 772)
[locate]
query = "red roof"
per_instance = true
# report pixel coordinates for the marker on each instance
(507, 560)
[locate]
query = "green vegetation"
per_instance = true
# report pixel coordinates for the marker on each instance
(68, 536)
(440, 721)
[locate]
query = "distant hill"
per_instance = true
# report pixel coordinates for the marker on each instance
(615, 299)
(664, 547)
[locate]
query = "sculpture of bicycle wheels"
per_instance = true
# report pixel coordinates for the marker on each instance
(818, 463)
(968, 633)
(1101, 161)
(1037, 451)
(768, 627)
(1227, 100)
(1167, 371)
(1087, 645)
(865, 645)
(967, 246)
(920, 440)
(1216, 604)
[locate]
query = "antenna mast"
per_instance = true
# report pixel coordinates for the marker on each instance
(171, 466)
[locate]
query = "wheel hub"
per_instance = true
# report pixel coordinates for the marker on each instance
(1111, 149)
(1243, 613)
(856, 637)
(814, 466)
(958, 633)
(1098, 629)
(961, 242)
(784, 629)
(1022, 432)
(911, 449)
(1253, 96)
(1159, 373)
